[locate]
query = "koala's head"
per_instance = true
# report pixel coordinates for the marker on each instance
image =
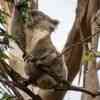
(39, 27)
(40, 20)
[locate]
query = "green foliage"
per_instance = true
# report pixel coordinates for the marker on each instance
(23, 8)
(3, 55)
(88, 56)
(2, 18)
(6, 97)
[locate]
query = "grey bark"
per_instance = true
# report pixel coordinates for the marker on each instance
(91, 82)
(82, 26)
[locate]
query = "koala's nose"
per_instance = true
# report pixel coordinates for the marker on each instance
(51, 29)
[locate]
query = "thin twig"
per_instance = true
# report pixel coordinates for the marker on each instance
(70, 46)
(66, 84)
(13, 74)
(16, 82)
(77, 89)
(23, 88)
(4, 75)
(79, 43)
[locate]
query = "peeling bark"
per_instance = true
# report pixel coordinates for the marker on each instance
(91, 82)
(81, 27)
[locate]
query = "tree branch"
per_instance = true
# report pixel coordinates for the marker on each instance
(20, 86)
(17, 81)
(76, 89)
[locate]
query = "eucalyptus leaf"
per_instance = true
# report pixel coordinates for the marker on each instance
(88, 56)
(2, 18)
(3, 55)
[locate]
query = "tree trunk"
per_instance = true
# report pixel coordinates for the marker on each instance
(82, 26)
(91, 82)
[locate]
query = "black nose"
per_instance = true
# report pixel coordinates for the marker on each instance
(55, 22)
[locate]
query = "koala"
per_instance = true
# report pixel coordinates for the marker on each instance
(42, 67)
(33, 67)
(33, 37)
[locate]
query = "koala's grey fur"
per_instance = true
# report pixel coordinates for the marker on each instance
(41, 45)
(33, 37)
(42, 79)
